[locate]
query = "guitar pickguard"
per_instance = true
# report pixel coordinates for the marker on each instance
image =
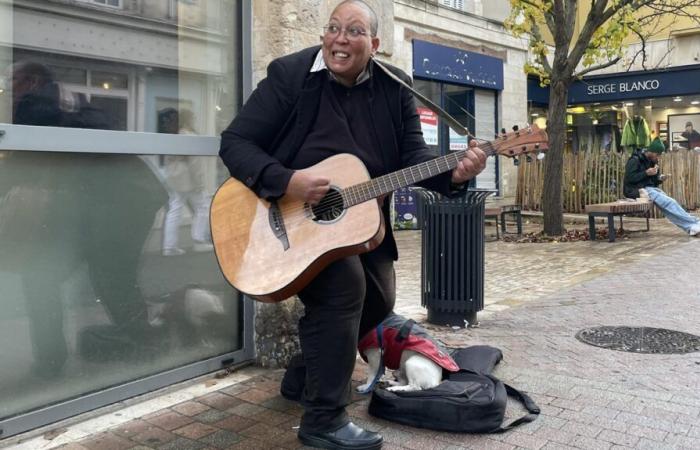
(277, 224)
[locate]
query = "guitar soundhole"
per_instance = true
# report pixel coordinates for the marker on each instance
(330, 208)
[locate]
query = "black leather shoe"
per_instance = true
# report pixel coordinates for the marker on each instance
(348, 437)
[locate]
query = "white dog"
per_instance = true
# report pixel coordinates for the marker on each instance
(417, 359)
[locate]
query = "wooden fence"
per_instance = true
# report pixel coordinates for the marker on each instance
(596, 177)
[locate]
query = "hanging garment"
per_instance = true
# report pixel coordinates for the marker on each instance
(636, 133)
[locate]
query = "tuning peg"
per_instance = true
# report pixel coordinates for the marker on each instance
(515, 128)
(528, 158)
(516, 161)
(540, 156)
(503, 131)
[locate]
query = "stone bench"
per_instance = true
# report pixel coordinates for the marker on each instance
(499, 212)
(618, 208)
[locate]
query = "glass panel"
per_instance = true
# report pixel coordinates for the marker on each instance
(457, 103)
(485, 106)
(429, 120)
(107, 273)
(69, 75)
(141, 52)
(108, 81)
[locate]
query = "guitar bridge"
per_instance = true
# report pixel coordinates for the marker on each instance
(277, 224)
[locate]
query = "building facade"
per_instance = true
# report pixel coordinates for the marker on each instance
(654, 96)
(110, 112)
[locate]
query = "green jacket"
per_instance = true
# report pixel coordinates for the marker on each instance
(636, 133)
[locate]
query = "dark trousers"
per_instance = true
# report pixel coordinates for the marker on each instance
(344, 302)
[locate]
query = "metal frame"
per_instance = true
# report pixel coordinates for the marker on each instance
(55, 139)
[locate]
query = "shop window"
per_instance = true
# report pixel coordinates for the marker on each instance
(108, 163)
(464, 103)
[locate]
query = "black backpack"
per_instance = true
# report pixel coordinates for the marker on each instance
(468, 401)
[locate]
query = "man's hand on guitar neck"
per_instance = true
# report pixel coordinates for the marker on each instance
(470, 166)
(307, 187)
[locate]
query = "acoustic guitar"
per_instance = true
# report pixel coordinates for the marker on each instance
(271, 250)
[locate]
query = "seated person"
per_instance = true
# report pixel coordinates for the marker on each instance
(642, 174)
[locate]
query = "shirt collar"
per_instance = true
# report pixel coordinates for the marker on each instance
(319, 65)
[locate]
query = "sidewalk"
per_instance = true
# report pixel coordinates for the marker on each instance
(538, 296)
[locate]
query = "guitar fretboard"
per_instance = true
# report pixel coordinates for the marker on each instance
(360, 193)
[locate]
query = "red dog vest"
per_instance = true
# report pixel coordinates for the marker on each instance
(418, 340)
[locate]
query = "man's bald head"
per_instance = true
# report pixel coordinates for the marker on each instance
(373, 20)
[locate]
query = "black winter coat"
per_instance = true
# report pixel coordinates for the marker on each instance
(635, 174)
(273, 124)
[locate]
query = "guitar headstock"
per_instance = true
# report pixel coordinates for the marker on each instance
(519, 142)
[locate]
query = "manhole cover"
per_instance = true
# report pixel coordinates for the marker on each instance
(640, 339)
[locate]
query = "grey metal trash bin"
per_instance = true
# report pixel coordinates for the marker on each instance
(452, 270)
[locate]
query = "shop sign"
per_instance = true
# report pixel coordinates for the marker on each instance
(623, 86)
(454, 65)
(428, 124)
(681, 80)
(457, 142)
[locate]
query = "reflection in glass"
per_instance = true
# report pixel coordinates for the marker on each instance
(138, 55)
(91, 299)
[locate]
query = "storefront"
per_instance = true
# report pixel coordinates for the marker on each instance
(609, 116)
(662, 101)
(109, 121)
(466, 85)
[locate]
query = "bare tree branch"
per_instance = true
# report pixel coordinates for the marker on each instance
(581, 73)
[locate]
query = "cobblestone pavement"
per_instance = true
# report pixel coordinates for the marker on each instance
(538, 296)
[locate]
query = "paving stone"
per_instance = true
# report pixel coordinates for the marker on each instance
(271, 417)
(107, 441)
(553, 435)
(524, 441)
(190, 408)
(581, 429)
(195, 430)
(219, 400)
(246, 409)
(588, 443)
(235, 423)
(256, 396)
(169, 420)
(153, 437)
(211, 416)
(132, 428)
(557, 446)
(183, 444)
(682, 441)
(221, 439)
(647, 444)
(618, 438)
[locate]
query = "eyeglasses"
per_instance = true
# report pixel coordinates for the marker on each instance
(351, 33)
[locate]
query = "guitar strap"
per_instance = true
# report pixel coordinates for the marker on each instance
(452, 122)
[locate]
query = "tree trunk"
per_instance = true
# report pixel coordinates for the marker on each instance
(552, 207)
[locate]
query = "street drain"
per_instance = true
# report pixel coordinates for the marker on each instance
(640, 339)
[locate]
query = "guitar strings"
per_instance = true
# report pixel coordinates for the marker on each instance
(299, 214)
